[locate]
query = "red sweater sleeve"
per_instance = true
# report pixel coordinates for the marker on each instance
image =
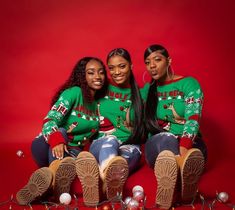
(186, 142)
(55, 139)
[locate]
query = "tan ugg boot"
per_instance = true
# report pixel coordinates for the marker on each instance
(39, 182)
(88, 173)
(191, 168)
(166, 171)
(64, 172)
(115, 176)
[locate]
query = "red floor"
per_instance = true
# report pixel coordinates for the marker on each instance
(15, 172)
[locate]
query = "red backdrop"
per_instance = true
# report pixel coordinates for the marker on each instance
(42, 40)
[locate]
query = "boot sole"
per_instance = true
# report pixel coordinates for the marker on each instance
(88, 173)
(65, 174)
(192, 169)
(38, 184)
(166, 170)
(116, 175)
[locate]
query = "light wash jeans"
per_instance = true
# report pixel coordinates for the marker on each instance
(104, 147)
(167, 141)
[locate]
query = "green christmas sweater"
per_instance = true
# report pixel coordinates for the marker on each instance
(116, 114)
(179, 108)
(80, 120)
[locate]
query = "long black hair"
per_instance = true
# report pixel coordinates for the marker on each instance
(152, 98)
(78, 78)
(137, 105)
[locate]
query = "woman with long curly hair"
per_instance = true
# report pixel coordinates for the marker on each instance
(69, 125)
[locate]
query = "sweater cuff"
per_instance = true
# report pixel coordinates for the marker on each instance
(186, 142)
(55, 139)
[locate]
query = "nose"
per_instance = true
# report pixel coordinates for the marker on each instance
(152, 64)
(97, 75)
(116, 70)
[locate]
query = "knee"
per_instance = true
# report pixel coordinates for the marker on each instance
(110, 142)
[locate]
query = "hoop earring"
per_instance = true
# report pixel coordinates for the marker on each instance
(143, 77)
(153, 82)
(170, 73)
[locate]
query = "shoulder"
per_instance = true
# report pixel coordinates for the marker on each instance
(144, 91)
(190, 81)
(71, 92)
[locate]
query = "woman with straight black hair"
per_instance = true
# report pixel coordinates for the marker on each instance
(117, 150)
(172, 115)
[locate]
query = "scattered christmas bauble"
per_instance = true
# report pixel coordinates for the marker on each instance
(137, 188)
(138, 195)
(127, 200)
(20, 153)
(133, 205)
(223, 197)
(65, 198)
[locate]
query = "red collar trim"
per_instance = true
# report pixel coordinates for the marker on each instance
(169, 82)
(111, 82)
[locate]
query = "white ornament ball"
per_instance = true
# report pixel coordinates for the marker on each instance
(223, 197)
(65, 198)
(127, 200)
(137, 188)
(20, 153)
(133, 204)
(138, 195)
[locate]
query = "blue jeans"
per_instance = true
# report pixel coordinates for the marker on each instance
(42, 153)
(167, 141)
(105, 147)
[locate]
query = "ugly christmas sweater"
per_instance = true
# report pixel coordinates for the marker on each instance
(116, 113)
(71, 113)
(179, 108)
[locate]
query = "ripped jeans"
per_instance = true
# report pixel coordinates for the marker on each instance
(107, 146)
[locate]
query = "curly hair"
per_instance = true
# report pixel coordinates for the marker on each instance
(78, 78)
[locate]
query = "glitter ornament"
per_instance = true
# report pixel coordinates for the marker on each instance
(223, 197)
(20, 153)
(127, 200)
(138, 195)
(137, 188)
(133, 205)
(65, 198)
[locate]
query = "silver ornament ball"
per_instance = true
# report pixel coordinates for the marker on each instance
(223, 197)
(137, 188)
(127, 200)
(138, 195)
(20, 153)
(133, 204)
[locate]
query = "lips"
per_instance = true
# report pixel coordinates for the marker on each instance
(98, 83)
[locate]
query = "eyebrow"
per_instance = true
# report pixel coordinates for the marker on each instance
(92, 69)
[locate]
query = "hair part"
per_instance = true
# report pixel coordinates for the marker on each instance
(154, 48)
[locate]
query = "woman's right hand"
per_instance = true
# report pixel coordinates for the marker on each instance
(58, 151)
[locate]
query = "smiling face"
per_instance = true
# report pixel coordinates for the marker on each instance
(95, 75)
(157, 66)
(120, 70)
